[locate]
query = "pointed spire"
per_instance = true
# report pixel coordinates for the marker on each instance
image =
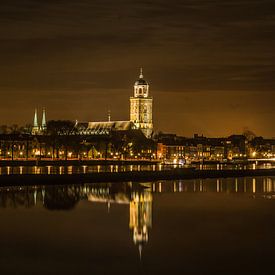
(109, 115)
(141, 74)
(35, 120)
(44, 123)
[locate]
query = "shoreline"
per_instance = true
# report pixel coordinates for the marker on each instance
(75, 162)
(135, 176)
(106, 162)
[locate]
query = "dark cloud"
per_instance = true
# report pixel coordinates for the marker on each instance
(81, 53)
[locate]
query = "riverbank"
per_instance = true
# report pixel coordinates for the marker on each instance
(75, 162)
(135, 176)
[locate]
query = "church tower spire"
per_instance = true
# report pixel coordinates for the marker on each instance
(35, 127)
(44, 123)
(141, 74)
(141, 106)
(35, 120)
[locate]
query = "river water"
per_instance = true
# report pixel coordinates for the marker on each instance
(84, 169)
(212, 226)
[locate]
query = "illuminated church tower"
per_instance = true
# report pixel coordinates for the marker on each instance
(44, 123)
(141, 217)
(141, 107)
(35, 127)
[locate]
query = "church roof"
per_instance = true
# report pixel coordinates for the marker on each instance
(141, 81)
(111, 125)
(104, 127)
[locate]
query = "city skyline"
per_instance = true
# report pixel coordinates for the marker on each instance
(210, 65)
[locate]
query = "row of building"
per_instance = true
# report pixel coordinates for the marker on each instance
(171, 146)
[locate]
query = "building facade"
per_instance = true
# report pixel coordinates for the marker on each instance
(141, 107)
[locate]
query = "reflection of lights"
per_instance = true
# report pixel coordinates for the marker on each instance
(70, 170)
(60, 170)
(84, 169)
(254, 185)
(180, 187)
(140, 217)
(49, 169)
(36, 170)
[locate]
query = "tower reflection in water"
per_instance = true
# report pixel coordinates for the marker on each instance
(138, 197)
(140, 217)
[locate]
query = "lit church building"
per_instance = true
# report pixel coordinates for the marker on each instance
(140, 115)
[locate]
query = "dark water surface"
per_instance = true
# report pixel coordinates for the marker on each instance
(86, 169)
(213, 226)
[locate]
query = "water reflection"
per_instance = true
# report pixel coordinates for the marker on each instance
(137, 197)
(78, 169)
(84, 169)
(140, 217)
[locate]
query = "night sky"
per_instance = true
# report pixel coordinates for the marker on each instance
(210, 64)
